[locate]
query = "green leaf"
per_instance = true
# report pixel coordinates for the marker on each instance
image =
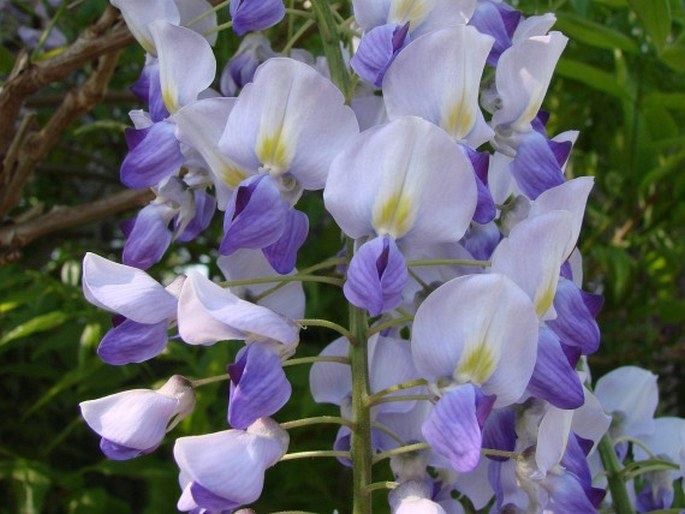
(674, 56)
(675, 101)
(30, 483)
(660, 124)
(71, 378)
(8, 306)
(655, 16)
(591, 76)
(38, 324)
(661, 173)
(612, 3)
(619, 266)
(672, 311)
(97, 501)
(148, 469)
(594, 34)
(6, 60)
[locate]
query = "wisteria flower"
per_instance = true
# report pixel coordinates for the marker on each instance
(224, 470)
(133, 423)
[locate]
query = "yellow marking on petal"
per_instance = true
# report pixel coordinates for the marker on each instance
(476, 364)
(412, 11)
(531, 110)
(545, 297)
(459, 120)
(272, 152)
(394, 215)
(170, 97)
(231, 175)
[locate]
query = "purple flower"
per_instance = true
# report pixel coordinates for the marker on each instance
(133, 423)
(251, 15)
(377, 50)
(224, 470)
(259, 386)
(146, 306)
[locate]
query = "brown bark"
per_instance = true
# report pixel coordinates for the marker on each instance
(14, 237)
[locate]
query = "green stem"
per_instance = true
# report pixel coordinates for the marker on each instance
(612, 466)
(645, 466)
(291, 24)
(401, 450)
(448, 262)
(316, 267)
(282, 279)
(326, 324)
(202, 16)
(361, 450)
(328, 263)
(419, 280)
(635, 441)
(648, 469)
(318, 420)
(300, 32)
(315, 453)
(299, 12)
(46, 33)
(388, 432)
(376, 486)
(316, 358)
(388, 324)
(499, 453)
(399, 387)
(403, 398)
(328, 29)
(209, 380)
(219, 28)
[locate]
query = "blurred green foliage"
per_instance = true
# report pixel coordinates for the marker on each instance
(621, 82)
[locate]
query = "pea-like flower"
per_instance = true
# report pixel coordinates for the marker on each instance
(133, 423)
(224, 470)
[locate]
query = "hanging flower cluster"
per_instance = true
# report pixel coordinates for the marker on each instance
(465, 358)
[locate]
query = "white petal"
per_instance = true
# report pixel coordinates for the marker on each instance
(533, 254)
(446, 95)
(187, 64)
(290, 119)
(523, 75)
(534, 26)
(553, 434)
(590, 421)
(500, 180)
(245, 264)
(632, 394)
(200, 125)
(667, 441)
(371, 13)
(391, 364)
(125, 290)
(426, 16)
(570, 196)
(191, 9)
(229, 464)
(331, 382)
(480, 329)
(138, 14)
(407, 179)
(136, 418)
(476, 485)
(208, 313)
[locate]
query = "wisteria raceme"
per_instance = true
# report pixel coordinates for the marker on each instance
(465, 358)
